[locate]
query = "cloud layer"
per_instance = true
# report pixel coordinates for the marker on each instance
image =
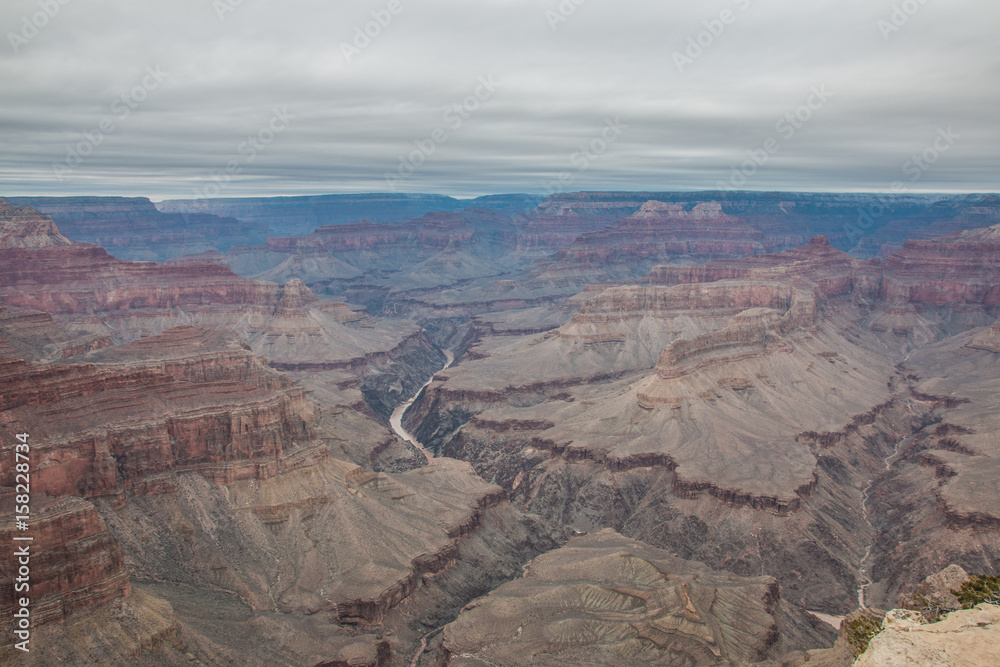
(180, 99)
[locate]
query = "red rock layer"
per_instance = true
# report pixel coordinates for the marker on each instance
(641, 301)
(431, 231)
(665, 230)
(954, 269)
(817, 264)
(551, 229)
(75, 563)
(108, 429)
(29, 334)
(962, 268)
(79, 279)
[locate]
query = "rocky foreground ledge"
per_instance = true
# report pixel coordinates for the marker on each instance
(967, 638)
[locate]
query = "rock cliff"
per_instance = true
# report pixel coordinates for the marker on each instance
(26, 228)
(75, 563)
(659, 232)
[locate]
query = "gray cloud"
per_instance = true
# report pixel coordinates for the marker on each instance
(354, 120)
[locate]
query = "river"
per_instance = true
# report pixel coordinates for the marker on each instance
(396, 420)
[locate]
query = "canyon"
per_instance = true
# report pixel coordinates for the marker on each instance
(598, 428)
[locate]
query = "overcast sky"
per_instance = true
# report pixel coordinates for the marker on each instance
(604, 95)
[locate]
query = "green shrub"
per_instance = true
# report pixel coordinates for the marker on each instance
(932, 609)
(860, 631)
(978, 589)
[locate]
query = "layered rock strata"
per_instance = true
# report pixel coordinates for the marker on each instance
(133, 229)
(732, 415)
(605, 599)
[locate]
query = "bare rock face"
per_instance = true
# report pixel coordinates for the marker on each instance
(607, 600)
(655, 233)
(988, 340)
(552, 227)
(215, 473)
(816, 264)
(967, 638)
(956, 269)
(27, 228)
(75, 562)
(221, 412)
(785, 214)
(204, 463)
(937, 588)
(77, 279)
(34, 336)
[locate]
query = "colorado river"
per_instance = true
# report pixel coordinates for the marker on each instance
(396, 420)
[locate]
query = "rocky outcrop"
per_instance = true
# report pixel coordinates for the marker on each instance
(195, 355)
(78, 279)
(327, 538)
(936, 591)
(728, 345)
(108, 429)
(56, 276)
(25, 228)
(74, 562)
(33, 335)
(635, 301)
(550, 228)
(957, 269)
(816, 265)
(988, 340)
(605, 599)
(357, 236)
(655, 233)
(172, 626)
(966, 638)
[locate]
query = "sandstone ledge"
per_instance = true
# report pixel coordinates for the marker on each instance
(968, 638)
